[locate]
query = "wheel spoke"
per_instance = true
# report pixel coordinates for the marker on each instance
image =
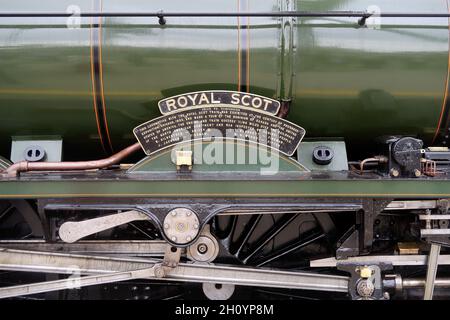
(298, 244)
(282, 223)
(245, 235)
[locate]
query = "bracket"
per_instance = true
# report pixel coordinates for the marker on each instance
(365, 281)
(170, 262)
(358, 240)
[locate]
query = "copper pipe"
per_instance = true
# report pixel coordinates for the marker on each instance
(361, 165)
(377, 159)
(25, 166)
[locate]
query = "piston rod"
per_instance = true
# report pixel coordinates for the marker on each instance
(420, 283)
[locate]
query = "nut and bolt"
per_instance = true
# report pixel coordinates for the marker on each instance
(159, 272)
(365, 288)
(202, 248)
(394, 172)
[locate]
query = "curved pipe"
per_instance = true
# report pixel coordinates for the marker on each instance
(25, 166)
(377, 159)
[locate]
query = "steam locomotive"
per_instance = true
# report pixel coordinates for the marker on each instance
(297, 148)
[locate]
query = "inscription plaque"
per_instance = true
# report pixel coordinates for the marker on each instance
(231, 122)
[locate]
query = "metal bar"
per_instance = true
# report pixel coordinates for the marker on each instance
(158, 14)
(434, 216)
(411, 204)
(284, 188)
(313, 207)
(420, 283)
(263, 211)
(259, 277)
(72, 283)
(63, 263)
(138, 248)
(398, 260)
(72, 231)
(434, 232)
(431, 271)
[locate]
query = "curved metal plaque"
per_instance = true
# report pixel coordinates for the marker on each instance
(229, 122)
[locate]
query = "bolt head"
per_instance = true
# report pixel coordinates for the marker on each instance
(202, 248)
(174, 213)
(174, 239)
(188, 239)
(394, 172)
(196, 226)
(159, 272)
(166, 226)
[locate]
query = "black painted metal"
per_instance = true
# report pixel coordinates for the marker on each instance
(30, 216)
(251, 225)
(296, 245)
(348, 245)
(227, 235)
(282, 223)
(371, 209)
(205, 208)
(352, 268)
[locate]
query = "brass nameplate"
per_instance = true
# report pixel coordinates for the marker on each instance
(216, 98)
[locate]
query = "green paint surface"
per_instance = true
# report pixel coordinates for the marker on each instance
(344, 81)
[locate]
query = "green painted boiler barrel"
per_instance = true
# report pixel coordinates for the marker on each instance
(92, 83)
